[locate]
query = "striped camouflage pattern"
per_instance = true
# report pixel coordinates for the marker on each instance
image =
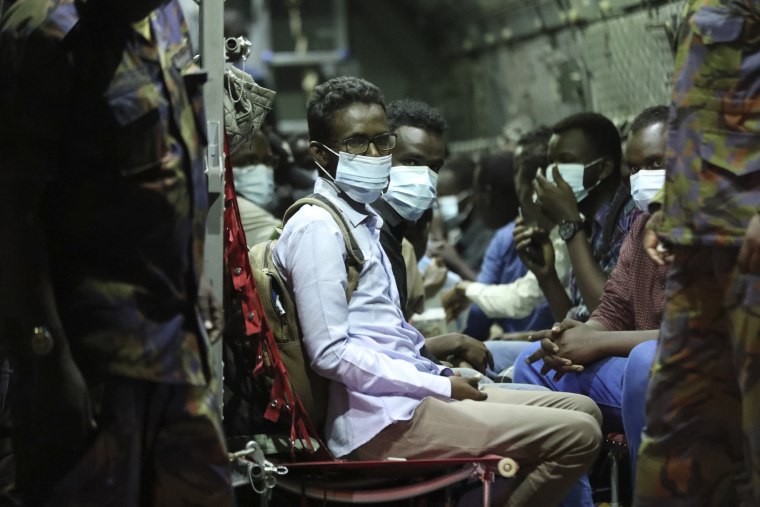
(702, 439)
(111, 124)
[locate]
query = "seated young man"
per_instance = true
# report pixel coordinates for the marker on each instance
(618, 340)
(589, 204)
(506, 291)
(253, 168)
(419, 154)
(385, 399)
(466, 235)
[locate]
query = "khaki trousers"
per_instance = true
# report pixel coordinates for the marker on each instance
(554, 437)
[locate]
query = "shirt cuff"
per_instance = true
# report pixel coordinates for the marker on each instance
(440, 385)
(446, 372)
(474, 289)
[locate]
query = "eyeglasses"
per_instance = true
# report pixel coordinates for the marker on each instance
(358, 145)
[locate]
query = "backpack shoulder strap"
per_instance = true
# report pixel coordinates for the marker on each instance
(355, 259)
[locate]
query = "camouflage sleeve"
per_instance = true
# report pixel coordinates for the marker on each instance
(657, 201)
(36, 82)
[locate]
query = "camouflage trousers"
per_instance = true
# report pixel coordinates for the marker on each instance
(155, 445)
(701, 444)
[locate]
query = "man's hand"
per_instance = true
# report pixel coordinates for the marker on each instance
(466, 389)
(749, 255)
(434, 277)
(443, 250)
(457, 347)
(579, 344)
(550, 350)
(455, 301)
(555, 200)
(211, 311)
(551, 334)
(652, 244)
(475, 353)
(535, 250)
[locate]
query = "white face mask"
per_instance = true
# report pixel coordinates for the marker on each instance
(644, 185)
(255, 183)
(362, 178)
(411, 190)
(448, 205)
(573, 176)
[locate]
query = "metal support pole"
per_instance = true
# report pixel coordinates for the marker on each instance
(486, 476)
(212, 60)
(614, 486)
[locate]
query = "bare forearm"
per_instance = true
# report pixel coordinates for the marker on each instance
(444, 345)
(620, 343)
(461, 268)
(556, 296)
(588, 275)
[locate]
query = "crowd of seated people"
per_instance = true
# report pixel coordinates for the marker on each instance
(564, 296)
(538, 268)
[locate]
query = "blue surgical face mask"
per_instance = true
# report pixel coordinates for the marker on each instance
(411, 190)
(362, 178)
(255, 183)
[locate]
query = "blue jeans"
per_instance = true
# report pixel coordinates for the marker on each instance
(504, 354)
(635, 384)
(602, 381)
(617, 384)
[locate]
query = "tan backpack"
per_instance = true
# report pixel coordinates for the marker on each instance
(282, 315)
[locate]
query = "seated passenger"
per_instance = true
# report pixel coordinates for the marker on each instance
(419, 154)
(253, 171)
(516, 310)
(467, 237)
(590, 205)
(608, 358)
(385, 399)
(516, 298)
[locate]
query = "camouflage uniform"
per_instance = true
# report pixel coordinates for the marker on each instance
(108, 117)
(702, 440)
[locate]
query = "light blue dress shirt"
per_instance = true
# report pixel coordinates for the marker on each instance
(366, 348)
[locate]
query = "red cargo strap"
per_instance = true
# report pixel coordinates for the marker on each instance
(282, 398)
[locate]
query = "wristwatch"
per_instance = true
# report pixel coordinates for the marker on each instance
(568, 229)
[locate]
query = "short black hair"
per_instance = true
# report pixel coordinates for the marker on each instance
(413, 113)
(496, 177)
(334, 95)
(463, 168)
(599, 131)
(533, 154)
(650, 116)
(498, 172)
